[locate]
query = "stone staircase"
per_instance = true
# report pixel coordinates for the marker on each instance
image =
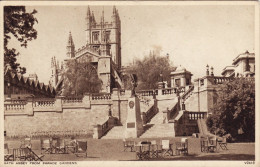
(117, 132)
(157, 119)
(159, 130)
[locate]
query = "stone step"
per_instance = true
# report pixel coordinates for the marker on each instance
(157, 119)
(116, 132)
(159, 130)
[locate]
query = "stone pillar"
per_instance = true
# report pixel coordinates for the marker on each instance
(134, 124)
(116, 104)
(97, 131)
(29, 106)
(58, 103)
(183, 82)
(172, 82)
(86, 100)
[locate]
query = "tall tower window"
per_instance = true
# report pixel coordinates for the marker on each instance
(107, 36)
(95, 36)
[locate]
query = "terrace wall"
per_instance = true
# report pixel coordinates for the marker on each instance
(62, 114)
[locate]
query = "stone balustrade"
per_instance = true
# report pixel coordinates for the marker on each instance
(72, 100)
(101, 129)
(100, 96)
(44, 103)
(14, 106)
(168, 91)
(148, 92)
(16, 101)
(188, 93)
(196, 115)
(221, 80)
(149, 114)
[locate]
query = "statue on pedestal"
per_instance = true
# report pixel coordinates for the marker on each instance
(134, 84)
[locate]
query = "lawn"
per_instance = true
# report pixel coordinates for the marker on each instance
(112, 150)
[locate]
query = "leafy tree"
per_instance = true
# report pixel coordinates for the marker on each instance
(234, 112)
(148, 71)
(80, 78)
(19, 23)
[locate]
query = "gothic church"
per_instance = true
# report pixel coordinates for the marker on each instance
(102, 49)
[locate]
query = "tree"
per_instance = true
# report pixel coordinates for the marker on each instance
(148, 71)
(80, 78)
(234, 112)
(20, 24)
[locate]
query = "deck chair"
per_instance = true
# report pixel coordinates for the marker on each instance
(223, 143)
(26, 143)
(61, 147)
(18, 154)
(8, 156)
(31, 155)
(138, 152)
(166, 148)
(145, 151)
(46, 146)
(204, 144)
(212, 147)
(81, 149)
(182, 147)
(128, 145)
(154, 149)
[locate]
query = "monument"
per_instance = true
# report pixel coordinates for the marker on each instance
(134, 124)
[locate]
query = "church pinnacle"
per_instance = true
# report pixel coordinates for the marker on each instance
(70, 47)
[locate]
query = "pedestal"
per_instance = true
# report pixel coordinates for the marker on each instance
(134, 124)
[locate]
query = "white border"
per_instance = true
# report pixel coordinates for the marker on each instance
(153, 3)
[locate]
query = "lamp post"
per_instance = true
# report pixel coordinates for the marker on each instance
(9, 91)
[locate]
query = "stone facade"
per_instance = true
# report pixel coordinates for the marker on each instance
(243, 65)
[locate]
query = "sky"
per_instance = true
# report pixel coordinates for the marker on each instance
(193, 35)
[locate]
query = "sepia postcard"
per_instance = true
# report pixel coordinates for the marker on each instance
(129, 83)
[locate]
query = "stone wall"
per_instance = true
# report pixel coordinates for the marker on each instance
(63, 114)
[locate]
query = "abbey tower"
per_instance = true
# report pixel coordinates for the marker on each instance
(102, 48)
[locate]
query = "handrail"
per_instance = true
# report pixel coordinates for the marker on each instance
(187, 93)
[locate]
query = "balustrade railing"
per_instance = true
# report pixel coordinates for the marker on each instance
(17, 101)
(101, 96)
(150, 113)
(173, 111)
(186, 95)
(169, 91)
(220, 80)
(44, 103)
(72, 100)
(196, 115)
(105, 127)
(148, 92)
(14, 106)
